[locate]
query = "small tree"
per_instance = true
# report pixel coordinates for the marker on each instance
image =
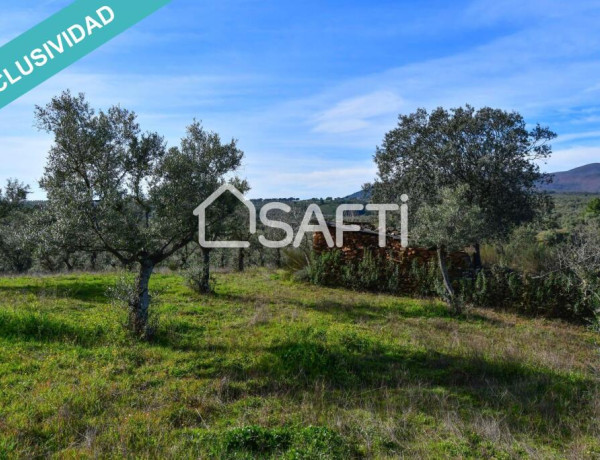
(115, 189)
(593, 208)
(450, 224)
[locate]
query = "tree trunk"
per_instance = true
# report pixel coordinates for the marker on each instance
(141, 306)
(477, 257)
(223, 261)
(205, 281)
(68, 264)
(241, 260)
(278, 258)
(441, 253)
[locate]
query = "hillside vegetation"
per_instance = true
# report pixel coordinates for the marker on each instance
(268, 368)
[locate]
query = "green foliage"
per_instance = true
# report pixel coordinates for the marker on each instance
(194, 278)
(376, 274)
(113, 188)
(257, 439)
(489, 151)
(294, 260)
(593, 208)
(452, 222)
(554, 295)
(312, 442)
(526, 250)
(16, 244)
(124, 295)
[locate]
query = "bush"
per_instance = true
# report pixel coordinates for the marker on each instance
(194, 280)
(123, 295)
(376, 274)
(312, 442)
(556, 294)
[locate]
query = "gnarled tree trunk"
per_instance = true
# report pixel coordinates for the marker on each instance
(441, 253)
(141, 304)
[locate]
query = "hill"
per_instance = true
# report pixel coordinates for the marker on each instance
(584, 179)
(361, 195)
(268, 368)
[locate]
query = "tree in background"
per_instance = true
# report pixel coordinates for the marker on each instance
(450, 224)
(16, 248)
(593, 208)
(121, 191)
(223, 219)
(490, 151)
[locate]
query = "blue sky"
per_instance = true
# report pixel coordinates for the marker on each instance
(310, 88)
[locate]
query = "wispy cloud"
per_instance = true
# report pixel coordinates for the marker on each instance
(358, 113)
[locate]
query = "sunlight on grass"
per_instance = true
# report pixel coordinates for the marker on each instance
(268, 368)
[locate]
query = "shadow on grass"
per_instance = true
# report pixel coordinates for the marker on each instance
(527, 400)
(76, 289)
(364, 311)
(31, 326)
(180, 335)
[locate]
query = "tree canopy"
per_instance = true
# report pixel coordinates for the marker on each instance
(112, 187)
(491, 151)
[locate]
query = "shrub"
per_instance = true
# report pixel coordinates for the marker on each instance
(123, 295)
(564, 293)
(376, 274)
(257, 439)
(556, 294)
(194, 280)
(312, 442)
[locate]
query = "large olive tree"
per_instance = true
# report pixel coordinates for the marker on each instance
(490, 151)
(113, 188)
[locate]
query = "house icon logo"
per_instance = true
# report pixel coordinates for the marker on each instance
(200, 211)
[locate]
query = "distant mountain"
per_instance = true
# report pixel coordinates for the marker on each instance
(361, 195)
(584, 179)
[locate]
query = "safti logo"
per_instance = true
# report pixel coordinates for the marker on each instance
(312, 212)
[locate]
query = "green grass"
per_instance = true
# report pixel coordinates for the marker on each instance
(267, 368)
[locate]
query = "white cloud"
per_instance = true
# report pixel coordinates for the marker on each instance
(576, 136)
(358, 113)
(569, 158)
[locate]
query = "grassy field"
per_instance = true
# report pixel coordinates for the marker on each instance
(267, 368)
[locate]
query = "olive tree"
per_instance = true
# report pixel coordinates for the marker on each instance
(452, 223)
(223, 219)
(113, 188)
(16, 246)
